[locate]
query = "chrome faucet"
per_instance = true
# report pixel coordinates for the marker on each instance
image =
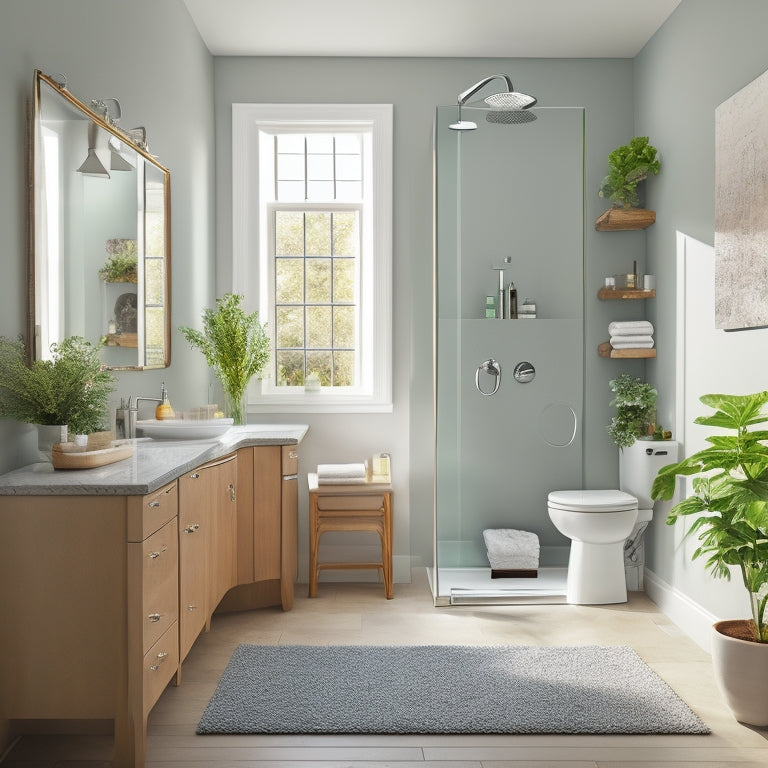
(126, 416)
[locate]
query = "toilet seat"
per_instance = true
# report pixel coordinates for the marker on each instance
(592, 501)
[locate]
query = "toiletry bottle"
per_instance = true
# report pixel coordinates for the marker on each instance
(511, 301)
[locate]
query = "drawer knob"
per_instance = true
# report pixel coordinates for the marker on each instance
(154, 503)
(191, 607)
(192, 528)
(293, 455)
(195, 475)
(160, 659)
(155, 555)
(232, 496)
(154, 617)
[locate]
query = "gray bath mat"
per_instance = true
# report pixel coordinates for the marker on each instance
(443, 689)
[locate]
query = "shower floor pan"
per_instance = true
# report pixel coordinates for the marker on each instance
(475, 586)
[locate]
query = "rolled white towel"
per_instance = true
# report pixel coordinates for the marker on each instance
(633, 345)
(341, 473)
(511, 549)
(630, 328)
(625, 339)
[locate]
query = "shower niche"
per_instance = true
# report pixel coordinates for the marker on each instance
(510, 195)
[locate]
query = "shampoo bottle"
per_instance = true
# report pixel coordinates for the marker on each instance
(511, 301)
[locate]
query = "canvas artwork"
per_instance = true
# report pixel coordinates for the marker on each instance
(741, 208)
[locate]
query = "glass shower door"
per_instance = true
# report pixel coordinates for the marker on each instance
(511, 197)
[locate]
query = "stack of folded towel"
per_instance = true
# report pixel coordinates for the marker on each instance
(341, 474)
(512, 553)
(633, 334)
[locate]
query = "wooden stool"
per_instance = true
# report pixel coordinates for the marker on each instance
(360, 507)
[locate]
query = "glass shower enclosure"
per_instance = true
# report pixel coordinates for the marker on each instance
(508, 392)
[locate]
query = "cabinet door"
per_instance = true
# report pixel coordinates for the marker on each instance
(194, 532)
(223, 543)
(267, 524)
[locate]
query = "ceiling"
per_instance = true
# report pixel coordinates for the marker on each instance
(450, 28)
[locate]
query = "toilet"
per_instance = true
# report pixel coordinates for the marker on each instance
(599, 523)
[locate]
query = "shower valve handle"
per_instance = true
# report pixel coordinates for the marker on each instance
(491, 367)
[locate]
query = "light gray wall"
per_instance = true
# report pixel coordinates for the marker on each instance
(415, 87)
(150, 56)
(705, 52)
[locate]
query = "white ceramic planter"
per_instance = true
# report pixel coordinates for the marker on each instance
(741, 671)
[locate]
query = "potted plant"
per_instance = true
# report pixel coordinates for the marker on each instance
(235, 346)
(730, 502)
(628, 165)
(635, 402)
(69, 392)
(122, 262)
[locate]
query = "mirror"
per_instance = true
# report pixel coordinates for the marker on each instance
(99, 262)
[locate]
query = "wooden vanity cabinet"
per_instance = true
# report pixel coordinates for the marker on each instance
(104, 595)
(88, 612)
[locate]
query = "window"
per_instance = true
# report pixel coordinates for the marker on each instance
(312, 208)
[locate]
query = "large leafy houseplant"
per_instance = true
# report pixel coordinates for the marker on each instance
(71, 389)
(730, 496)
(635, 402)
(628, 165)
(235, 345)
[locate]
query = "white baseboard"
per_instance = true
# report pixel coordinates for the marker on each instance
(693, 620)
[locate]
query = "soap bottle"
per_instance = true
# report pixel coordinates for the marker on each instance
(511, 301)
(164, 410)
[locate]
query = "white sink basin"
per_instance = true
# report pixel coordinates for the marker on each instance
(183, 429)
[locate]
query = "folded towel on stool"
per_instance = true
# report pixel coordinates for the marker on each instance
(512, 553)
(340, 474)
(630, 327)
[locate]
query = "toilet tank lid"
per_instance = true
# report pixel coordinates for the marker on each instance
(592, 501)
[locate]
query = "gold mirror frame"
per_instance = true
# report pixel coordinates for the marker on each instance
(76, 223)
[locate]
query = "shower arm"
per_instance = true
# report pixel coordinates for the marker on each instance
(463, 97)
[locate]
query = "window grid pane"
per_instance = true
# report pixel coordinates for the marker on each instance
(315, 255)
(319, 167)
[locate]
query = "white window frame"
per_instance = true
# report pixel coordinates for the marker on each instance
(251, 258)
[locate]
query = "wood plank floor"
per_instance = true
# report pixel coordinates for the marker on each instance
(348, 613)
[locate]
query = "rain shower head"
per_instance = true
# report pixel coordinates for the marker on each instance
(510, 116)
(509, 101)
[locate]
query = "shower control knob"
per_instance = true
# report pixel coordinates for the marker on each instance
(524, 372)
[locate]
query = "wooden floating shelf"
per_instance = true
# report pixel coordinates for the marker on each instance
(615, 219)
(625, 293)
(123, 340)
(606, 350)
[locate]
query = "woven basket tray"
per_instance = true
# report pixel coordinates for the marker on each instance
(72, 456)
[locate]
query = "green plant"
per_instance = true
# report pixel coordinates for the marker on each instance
(235, 346)
(628, 165)
(635, 403)
(730, 493)
(73, 388)
(122, 263)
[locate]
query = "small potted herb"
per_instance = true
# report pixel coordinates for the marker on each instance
(235, 346)
(628, 165)
(71, 390)
(635, 402)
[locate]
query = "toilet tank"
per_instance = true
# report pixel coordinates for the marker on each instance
(639, 465)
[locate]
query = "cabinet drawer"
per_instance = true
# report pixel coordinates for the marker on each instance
(290, 459)
(147, 514)
(160, 582)
(160, 664)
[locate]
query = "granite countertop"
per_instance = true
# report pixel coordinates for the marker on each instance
(153, 464)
